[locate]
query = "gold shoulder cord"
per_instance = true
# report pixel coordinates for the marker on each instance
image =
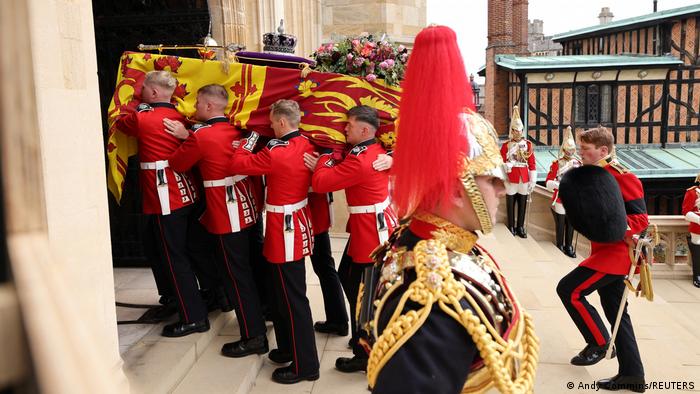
(511, 363)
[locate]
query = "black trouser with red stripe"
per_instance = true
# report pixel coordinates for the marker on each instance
(294, 328)
(350, 274)
(171, 235)
(260, 266)
(582, 281)
(237, 277)
(324, 267)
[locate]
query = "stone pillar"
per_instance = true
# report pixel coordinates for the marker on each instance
(67, 103)
(228, 21)
(303, 19)
(500, 41)
(401, 20)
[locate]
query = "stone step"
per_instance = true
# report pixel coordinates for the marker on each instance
(156, 364)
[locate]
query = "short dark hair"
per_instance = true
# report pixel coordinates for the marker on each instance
(598, 136)
(365, 114)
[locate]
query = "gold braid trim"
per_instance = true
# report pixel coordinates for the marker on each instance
(454, 237)
(511, 364)
(474, 193)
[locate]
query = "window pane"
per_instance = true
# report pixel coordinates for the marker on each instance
(605, 103)
(580, 103)
(593, 98)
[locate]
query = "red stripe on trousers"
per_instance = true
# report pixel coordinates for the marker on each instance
(235, 286)
(291, 320)
(575, 301)
(170, 264)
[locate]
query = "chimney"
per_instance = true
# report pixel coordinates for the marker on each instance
(605, 15)
(520, 24)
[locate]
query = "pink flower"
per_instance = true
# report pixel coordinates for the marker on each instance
(401, 48)
(370, 77)
(389, 63)
(349, 56)
(384, 65)
(358, 61)
(404, 57)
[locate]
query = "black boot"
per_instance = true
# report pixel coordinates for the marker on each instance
(620, 382)
(590, 355)
(558, 230)
(695, 258)
(510, 213)
(522, 209)
(354, 364)
(568, 238)
(244, 347)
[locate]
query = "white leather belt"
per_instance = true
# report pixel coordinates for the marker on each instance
(230, 198)
(287, 224)
(161, 183)
(229, 180)
(379, 217)
(518, 164)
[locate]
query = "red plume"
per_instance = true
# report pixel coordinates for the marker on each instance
(431, 138)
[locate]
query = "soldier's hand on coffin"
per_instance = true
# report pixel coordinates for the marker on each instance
(311, 160)
(235, 144)
(383, 162)
(175, 129)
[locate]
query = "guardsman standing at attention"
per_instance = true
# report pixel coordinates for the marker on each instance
(371, 221)
(609, 263)
(519, 156)
(168, 195)
(231, 210)
(691, 210)
(565, 161)
(288, 236)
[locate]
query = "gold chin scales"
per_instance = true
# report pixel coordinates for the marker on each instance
(510, 363)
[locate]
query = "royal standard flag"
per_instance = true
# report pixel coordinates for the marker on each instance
(324, 99)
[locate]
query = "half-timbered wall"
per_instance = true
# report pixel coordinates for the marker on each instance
(680, 122)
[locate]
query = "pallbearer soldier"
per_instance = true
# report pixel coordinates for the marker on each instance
(565, 161)
(168, 195)
(231, 210)
(605, 270)
(691, 210)
(519, 157)
(321, 207)
(372, 220)
(446, 320)
(288, 236)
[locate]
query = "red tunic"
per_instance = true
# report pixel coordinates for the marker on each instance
(209, 147)
(554, 175)
(364, 187)
(155, 145)
(613, 258)
(521, 158)
(689, 205)
(321, 211)
(288, 181)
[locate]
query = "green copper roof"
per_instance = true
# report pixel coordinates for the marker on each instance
(648, 19)
(535, 63)
(645, 161)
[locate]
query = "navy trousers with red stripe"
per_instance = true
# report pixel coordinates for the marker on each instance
(324, 267)
(582, 281)
(350, 274)
(237, 277)
(294, 329)
(171, 235)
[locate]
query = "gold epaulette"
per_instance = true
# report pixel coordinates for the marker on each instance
(619, 167)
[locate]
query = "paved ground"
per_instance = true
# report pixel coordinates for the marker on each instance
(668, 332)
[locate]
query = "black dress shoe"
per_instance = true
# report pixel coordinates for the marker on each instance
(591, 355)
(512, 231)
(180, 329)
(569, 251)
(244, 347)
(354, 364)
(696, 281)
(520, 231)
(286, 375)
(279, 356)
(620, 382)
(325, 327)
